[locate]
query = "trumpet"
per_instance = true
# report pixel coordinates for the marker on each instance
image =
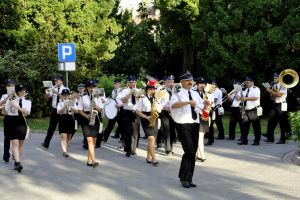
(49, 90)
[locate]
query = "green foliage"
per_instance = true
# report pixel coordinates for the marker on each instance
(295, 122)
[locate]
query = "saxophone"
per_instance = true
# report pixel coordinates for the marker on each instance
(94, 112)
(154, 114)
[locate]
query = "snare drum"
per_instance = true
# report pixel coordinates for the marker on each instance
(110, 108)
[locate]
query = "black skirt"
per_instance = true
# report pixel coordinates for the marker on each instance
(204, 126)
(66, 124)
(15, 127)
(149, 131)
(90, 131)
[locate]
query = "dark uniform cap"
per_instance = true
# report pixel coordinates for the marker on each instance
(19, 88)
(214, 82)
(186, 76)
(91, 83)
(275, 75)
(65, 91)
(58, 77)
(10, 81)
(170, 78)
(131, 78)
(117, 81)
(80, 85)
(200, 80)
(236, 82)
(249, 78)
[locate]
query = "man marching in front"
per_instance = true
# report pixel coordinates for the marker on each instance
(185, 107)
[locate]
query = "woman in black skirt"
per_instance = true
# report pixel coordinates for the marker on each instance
(17, 108)
(66, 120)
(143, 110)
(87, 104)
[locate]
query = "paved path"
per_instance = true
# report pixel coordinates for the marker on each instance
(231, 172)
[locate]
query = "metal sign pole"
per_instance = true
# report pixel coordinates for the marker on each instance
(67, 80)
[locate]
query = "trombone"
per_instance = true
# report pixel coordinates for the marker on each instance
(237, 88)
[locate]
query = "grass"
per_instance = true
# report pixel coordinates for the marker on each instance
(42, 124)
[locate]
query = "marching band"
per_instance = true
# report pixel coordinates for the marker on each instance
(188, 112)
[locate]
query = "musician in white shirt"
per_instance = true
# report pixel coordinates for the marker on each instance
(16, 110)
(235, 116)
(67, 123)
(277, 114)
(129, 97)
(144, 110)
(55, 95)
(185, 108)
(86, 106)
(10, 83)
(251, 100)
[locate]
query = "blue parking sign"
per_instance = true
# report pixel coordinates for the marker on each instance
(66, 52)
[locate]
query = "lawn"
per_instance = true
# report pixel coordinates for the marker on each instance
(42, 124)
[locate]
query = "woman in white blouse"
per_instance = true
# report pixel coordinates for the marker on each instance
(143, 110)
(86, 104)
(66, 120)
(16, 123)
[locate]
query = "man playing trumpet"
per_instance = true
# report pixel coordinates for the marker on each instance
(55, 94)
(5, 97)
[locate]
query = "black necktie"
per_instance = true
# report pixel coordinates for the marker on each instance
(20, 104)
(133, 99)
(245, 103)
(194, 114)
(57, 97)
(201, 95)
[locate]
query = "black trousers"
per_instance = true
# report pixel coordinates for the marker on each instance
(6, 139)
(189, 136)
(54, 117)
(131, 136)
(165, 130)
(110, 126)
(235, 117)
(256, 128)
(275, 116)
(219, 123)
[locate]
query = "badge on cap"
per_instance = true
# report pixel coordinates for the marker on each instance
(186, 76)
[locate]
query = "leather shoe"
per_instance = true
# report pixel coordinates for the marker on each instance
(255, 143)
(265, 135)
(269, 141)
(18, 167)
(6, 158)
(242, 143)
(192, 184)
(185, 184)
(208, 143)
(218, 138)
(113, 136)
(127, 154)
(45, 146)
(280, 142)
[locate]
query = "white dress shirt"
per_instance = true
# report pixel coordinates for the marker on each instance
(235, 103)
(127, 106)
(61, 105)
(12, 111)
(144, 105)
(218, 95)
(54, 96)
(183, 115)
(281, 89)
(253, 92)
(85, 103)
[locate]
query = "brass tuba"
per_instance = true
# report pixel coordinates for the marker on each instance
(288, 78)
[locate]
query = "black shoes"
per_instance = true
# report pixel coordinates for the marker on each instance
(65, 154)
(185, 184)
(269, 141)
(44, 145)
(208, 143)
(168, 153)
(200, 159)
(94, 165)
(85, 146)
(265, 135)
(148, 161)
(242, 143)
(255, 143)
(127, 154)
(192, 184)
(280, 142)
(6, 158)
(114, 136)
(18, 167)
(155, 163)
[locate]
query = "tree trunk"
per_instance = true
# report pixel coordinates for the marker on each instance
(188, 53)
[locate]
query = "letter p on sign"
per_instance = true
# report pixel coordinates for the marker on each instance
(66, 52)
